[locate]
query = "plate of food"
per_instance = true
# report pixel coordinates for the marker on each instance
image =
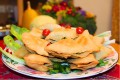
(59, 53)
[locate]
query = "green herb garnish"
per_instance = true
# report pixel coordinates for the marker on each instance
(102, 63)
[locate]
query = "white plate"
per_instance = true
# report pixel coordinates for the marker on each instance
(112, 60)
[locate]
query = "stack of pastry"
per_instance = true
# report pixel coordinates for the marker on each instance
(82, 51)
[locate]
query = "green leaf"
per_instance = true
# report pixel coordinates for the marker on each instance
(53, 71)
(17, 31)
(102, 63)
(19, 60)
(10, 43)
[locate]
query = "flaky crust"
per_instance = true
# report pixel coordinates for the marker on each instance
(61, 33)
(80, 47)
(37, 62)
(103, 53)
(35, 43)
(84, 63)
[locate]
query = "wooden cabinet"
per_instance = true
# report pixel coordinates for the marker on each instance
(20, 11)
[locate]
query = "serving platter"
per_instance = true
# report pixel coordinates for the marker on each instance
(22, 69)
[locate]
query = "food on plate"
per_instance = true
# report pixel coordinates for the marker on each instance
(98, 40)
(17, 31)
(55, 49)
(21, 52)
(61, 33)
(87, 43)
(49, 26)
(36, 32)
(79, 30)
(13, 57)
(46, 32)
(83, 63)
(34, 43)
(10, 43)
(64, 48)
(80, 47)
(37, 62)
(103, 53)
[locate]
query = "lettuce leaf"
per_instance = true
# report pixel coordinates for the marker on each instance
(18, 31)
(19, 60)
(10, 43)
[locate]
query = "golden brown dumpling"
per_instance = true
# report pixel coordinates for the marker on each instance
(61, 33)
(35, 43)
(80, 47)
(83, 63)
(37, 62)
(103, 53)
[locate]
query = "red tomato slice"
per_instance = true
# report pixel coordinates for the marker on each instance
(79, 30)
(46, 32)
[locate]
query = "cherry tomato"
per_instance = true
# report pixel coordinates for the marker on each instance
(79, 30)
(46, 32)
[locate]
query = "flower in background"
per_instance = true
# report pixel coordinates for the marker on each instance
(54, 1)
(66, 14)
(89, 15)
(47, 7)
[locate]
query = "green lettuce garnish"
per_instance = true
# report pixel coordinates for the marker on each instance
(102, 63)
(10, 43)
(18, 31)
(19, 60)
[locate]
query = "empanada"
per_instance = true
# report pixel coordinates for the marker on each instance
(35, 43)
(63, 48)
(87, 42)
(61, 33)
(36, 32)
(103, 53)
(49, 26)
(83, 63)
(37, 62)
(80, 47)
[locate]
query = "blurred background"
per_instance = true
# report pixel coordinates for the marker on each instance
(106, 12)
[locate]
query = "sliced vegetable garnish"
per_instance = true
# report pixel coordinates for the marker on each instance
(46, 32)
(19, 60)
(79, 30)
(17, 31)
(60, 67)
(10, 43)
(104, 34)
(102, 63)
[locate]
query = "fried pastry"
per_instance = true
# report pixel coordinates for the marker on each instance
(103, 53)
(87, 42)
(34, 43)
(80, 47)
(63, 48)
(36, 32)
(61, 33)
(98, 40)
(49, 26)
(83, 63)
(37, 62)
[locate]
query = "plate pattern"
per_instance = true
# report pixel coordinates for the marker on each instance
(111, 62)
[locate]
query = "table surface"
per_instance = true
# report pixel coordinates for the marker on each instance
(6, 73)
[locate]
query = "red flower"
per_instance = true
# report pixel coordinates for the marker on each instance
(62, 8)
(69, 11)
(55, 8)
(48, 11)
(63, 4)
